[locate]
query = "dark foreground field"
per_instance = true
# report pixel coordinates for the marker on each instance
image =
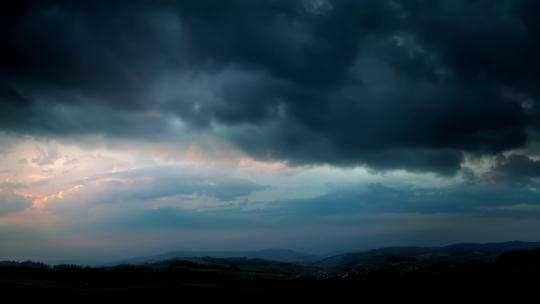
(386, 273)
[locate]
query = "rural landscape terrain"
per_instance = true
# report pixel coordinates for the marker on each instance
(459, 267)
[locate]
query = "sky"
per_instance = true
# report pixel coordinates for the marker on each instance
(138, 127)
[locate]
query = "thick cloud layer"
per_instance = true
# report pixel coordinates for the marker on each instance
(392, 84)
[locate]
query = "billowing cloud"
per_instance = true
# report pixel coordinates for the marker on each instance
(390, 84)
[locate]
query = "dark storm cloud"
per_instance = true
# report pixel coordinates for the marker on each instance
(516, 168)
(392, 84)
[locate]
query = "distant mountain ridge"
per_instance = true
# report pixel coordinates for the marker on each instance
(454, 249)
(291, 256)
(390, 255)
(271, 254)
